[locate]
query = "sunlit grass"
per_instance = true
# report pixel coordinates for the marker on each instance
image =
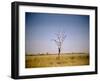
(53, 60)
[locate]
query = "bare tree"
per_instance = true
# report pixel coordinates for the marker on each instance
(60, 37)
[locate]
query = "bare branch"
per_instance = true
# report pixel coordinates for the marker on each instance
(60, 37)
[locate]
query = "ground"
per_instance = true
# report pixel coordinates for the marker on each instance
(53, 60)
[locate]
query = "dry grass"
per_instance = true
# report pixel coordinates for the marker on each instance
(52, 60)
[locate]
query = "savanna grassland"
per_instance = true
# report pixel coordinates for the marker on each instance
(53, 60)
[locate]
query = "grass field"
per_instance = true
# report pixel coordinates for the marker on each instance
(52, 60)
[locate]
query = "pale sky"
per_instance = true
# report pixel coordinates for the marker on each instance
(40, 29)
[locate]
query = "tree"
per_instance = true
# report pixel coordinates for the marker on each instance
(60, 37)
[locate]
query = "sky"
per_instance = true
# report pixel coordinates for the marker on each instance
(40, 29)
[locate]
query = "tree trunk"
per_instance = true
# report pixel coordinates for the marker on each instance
(59, 50)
